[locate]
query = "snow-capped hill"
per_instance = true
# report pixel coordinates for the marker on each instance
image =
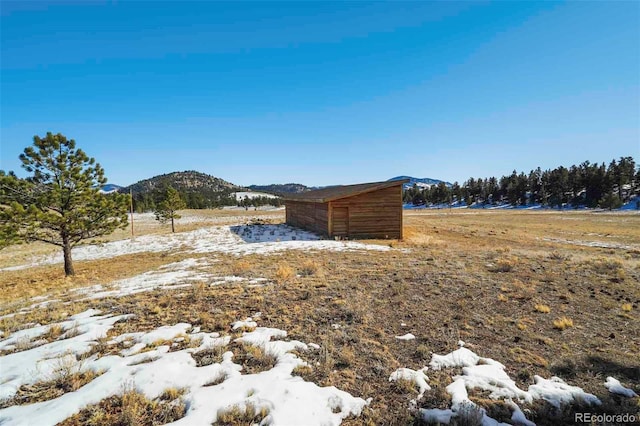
(419, 182)
(109, 188)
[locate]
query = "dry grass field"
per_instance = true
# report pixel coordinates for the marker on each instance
(544, 293)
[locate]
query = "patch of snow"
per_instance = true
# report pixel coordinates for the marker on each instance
(171, 276)
(40, 363)
(459, 394)
(251, 195)
(407, 336)
(517, 416)
(436, 415)
(598, 244)
(289, 399)
(236, 240)
(247, 323)
(462, 357)
(557, 392)
(418, 377)
(490, 375)
(616, 387)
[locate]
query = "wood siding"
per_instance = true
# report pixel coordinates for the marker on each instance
(311, 216)
(340, 221)
(375, 214)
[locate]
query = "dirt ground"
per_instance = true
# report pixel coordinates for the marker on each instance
(544, 293)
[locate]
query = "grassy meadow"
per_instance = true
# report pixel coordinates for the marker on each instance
(543, 292)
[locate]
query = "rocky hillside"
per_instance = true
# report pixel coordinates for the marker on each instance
(188, 181)
(199, 190)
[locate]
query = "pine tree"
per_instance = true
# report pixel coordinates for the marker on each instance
(168, 208)
(60, 203)
(611, 201)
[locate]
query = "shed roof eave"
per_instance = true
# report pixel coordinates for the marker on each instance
(344, 191)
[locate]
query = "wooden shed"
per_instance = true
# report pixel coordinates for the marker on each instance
(366, 210)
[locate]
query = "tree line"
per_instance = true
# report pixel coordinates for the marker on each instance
(202, 199)
(587, 184)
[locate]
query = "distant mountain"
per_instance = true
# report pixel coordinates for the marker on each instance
(110, 187)
(285, 188)
(419, 182)
(188, 181)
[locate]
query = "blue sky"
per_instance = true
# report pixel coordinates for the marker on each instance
(323, 93)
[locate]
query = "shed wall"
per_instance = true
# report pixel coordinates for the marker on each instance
(376, 214)
(307, 215)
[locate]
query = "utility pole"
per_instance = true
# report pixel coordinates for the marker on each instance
(131, 208)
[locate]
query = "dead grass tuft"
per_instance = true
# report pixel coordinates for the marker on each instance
(309, 267)
(284, 273)
(238, 415)
(171, 394)
(131, 407)
(209, 356)
(240, 267)
(404, 386)
(526, 357)
(67, 376)
(504, 264)
(612, 268)
(539, 307)
(562, 323)
(253, 359)
(53, 332)
(221, 377)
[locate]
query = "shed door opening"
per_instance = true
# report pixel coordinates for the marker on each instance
(341, 221)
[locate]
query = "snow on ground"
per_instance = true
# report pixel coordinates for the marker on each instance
(40, 363)
(288, 398)
(616, 387)
(237, 240)
(171, 276)
(599, 244)
(252, 195)
(489, 375)
(407, 336)
(418, 377)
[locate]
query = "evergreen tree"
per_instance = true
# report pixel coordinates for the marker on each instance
(168, 208)
(60, 203)
(611, 201)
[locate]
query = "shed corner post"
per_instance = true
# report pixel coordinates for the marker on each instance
(329, 220)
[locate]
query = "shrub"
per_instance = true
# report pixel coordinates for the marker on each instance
(468, 414)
